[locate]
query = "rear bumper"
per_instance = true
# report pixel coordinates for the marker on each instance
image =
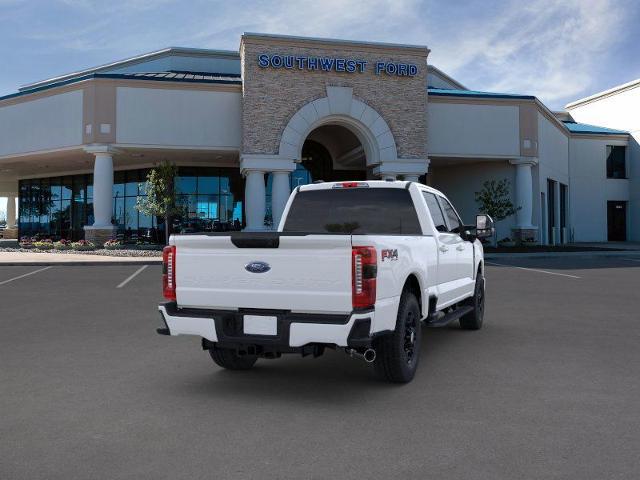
(294, 330)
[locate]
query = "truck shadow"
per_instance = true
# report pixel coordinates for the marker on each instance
(333, 378)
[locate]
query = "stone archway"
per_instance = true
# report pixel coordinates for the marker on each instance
(339, 107)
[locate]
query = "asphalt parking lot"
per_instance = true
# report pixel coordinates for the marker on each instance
(549, 388)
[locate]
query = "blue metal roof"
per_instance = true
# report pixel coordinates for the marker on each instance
(444, 92)
(575, 127)
(188, 77)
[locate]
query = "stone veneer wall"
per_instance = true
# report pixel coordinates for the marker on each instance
(272, 96)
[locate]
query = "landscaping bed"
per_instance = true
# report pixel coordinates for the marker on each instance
(112, 248)
(101, 252)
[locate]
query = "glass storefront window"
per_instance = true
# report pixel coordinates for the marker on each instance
(67, 189)
(118, 213)
(118, 184)
(211, 199)
(59, 207)
(186, 185)
(208, 185)
(131, 214)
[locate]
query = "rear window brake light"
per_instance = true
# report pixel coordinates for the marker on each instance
(351, 185)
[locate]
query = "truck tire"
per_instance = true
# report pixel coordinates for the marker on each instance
(229, 359)
(473, 320)
(398, 353)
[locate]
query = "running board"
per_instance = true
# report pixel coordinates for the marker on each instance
(441, 319)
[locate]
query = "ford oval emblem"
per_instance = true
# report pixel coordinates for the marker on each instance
(257, 267)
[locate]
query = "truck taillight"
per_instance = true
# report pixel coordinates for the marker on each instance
(363, 281)
(169, 272)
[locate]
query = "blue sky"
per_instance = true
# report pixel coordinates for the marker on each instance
(556, 50)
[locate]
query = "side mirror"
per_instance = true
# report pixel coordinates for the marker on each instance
(484, 226)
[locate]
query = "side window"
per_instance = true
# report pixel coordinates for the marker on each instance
(435, 211)
(455, 225)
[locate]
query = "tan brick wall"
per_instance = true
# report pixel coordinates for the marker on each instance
(271, 96)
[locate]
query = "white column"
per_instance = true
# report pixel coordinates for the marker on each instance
(524, 193)
(255, 200)
(411, 178)
(103, 190)
(279, 195)
(11, 212)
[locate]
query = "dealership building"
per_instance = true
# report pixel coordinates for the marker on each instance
(246, 127)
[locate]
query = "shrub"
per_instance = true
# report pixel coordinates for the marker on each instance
(45, 244)
(26, 242)
(83, 245)
(113, 244)
(62, 245)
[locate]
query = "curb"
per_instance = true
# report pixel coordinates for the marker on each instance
(595, 253)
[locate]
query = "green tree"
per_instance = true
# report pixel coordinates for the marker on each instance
(495, 199)
(160, 199)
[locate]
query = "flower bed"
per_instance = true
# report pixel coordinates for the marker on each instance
(43, 244)
(112, 248)
(101, 252)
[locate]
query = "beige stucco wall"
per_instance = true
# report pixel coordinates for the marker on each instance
(50, 122)
(460, 129)
(178, 117)
(272, 96)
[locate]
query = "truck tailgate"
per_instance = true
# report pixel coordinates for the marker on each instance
(305, 273)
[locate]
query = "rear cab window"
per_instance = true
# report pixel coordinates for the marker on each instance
(357, 211)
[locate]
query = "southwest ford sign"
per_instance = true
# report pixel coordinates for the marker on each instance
(334, 64)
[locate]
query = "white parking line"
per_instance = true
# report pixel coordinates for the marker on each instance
(132, 276)
(25, 275)
(533, 270)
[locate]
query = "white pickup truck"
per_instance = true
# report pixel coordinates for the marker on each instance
(353, 265)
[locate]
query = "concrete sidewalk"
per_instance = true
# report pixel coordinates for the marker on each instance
(37, 259)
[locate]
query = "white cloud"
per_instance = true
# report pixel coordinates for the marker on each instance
(545, 48)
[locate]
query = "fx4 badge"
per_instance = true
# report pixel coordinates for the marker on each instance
(389, 254)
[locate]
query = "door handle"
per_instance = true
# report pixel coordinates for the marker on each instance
(460, 248)
(443, 249)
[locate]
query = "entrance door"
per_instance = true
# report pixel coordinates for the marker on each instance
(617, 221)
(543, 222)
(563, 212)
(551, 211)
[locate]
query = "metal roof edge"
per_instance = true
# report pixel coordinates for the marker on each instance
(605, 93)
(597, 130)
(131, 61)
(124, 76)
(476, 94)
(447, 77)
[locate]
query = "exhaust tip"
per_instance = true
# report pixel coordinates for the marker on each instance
(369, 355)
